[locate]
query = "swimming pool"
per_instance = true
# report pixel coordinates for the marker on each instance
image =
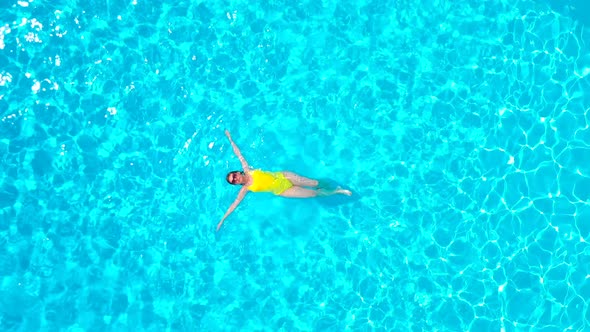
(461, 128)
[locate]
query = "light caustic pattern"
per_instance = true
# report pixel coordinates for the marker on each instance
(465, 128)
(506, 145)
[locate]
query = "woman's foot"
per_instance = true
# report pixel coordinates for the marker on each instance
(343, 191)
(338, 190)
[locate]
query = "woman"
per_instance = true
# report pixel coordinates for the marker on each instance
(286, 184)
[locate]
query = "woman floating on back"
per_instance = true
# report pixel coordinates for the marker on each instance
(283, 183)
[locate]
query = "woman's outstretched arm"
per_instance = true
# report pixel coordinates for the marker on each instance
(237, 152)
(234, 205)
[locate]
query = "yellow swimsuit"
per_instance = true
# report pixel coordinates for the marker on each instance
(274, 182)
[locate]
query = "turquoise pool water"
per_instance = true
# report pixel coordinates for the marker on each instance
(461, 127)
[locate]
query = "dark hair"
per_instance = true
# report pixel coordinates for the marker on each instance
(230, 173)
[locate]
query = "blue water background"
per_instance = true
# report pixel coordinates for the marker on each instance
(460, 126)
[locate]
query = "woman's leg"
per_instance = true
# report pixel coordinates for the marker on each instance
(298, 180)
(299, 192)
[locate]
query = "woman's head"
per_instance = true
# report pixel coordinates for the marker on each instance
(235, 177)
